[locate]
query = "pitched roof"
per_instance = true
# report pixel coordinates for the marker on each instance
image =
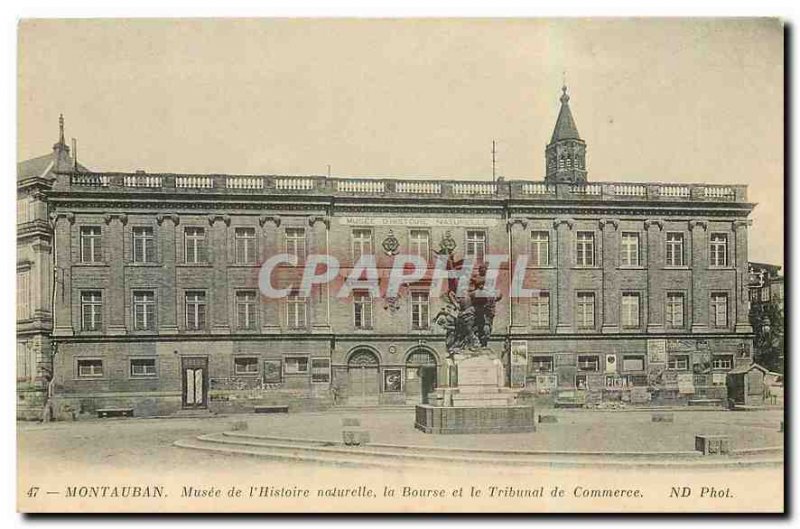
(565, 124)
(43, 166)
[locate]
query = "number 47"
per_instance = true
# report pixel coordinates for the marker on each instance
(33, 491)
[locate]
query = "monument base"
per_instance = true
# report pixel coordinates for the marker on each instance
(466, 420)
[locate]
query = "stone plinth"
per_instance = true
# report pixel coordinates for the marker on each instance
(465, 420)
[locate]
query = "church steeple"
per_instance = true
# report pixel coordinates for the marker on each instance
(566, 153)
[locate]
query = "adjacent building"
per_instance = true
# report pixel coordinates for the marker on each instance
(640, 290)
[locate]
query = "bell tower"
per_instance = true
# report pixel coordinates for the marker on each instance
(566, 153)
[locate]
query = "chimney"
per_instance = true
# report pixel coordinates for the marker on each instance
(74, 155)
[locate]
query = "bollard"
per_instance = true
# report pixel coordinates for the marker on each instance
(355, 437)
(663, 417)
(548, 418)
(712, 444)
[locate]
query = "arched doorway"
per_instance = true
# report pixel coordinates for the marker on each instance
(363, 378)
(420, 374)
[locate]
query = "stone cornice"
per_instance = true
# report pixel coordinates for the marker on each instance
(161, 217)
(698, 223)
(558, 222)
(219, 217)
(313, 219)
(742, 223)
(654, 222)
(510, 223)
(274, 219)
(122, 217)
(611, 222)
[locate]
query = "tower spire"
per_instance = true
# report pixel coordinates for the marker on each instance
(566, 153)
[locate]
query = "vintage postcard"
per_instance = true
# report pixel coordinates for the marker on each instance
(400, 265)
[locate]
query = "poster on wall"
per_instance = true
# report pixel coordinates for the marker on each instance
(611, 363)
(657, 351)
(519, 362)
(685, 383)
(272, 371)
(392, 380)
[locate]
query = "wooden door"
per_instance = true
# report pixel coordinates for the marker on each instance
(194, 378)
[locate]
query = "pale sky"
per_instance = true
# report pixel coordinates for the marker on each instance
(655, 100)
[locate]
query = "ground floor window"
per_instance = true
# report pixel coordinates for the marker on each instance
(295, 365)
(320, 370)
(722, 362)
(143, 367)
(581, 382)
(678, 362)
(589, 363)
(90, 368)
(541, 364)
(245, 366)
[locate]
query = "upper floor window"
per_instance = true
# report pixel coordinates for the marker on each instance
(722, 362)
(678, 362)
(541, 364)
(296, 311)
(144, 310)
(195, 310)
(245, 245)
(24, 295)
(629, 249)
(195, 245)
(246, 309)
(362, 242)
(540, 310)
(91, 247)
(143, 245)
(296, 243)
(91, 310)
(540, 248)
(719, 309)
(675, 310)
(674, 255)
(362, 310)
(584, 248)
(419, 242)
(585, 310)
(630, 309)
(476, 245)
(420, 310)
(245, 366)
(718, 250)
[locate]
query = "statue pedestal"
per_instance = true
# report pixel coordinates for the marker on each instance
(477, 401)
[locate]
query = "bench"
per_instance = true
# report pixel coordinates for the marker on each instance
(272, 409)
(105, 413)
(567, 404)
(662, 417)
(705, 402)
(548, 418)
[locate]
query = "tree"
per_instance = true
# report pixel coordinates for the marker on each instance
(768, 344)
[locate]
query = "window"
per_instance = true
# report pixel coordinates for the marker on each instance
(195, 245)
(245, 366)
(144, 310)
(195, 310)
(674, 249)
(246, 309)
(585, 310)
(581, 382)
(362, 310)
(718, 251)
(722, 362)
(90, 368)
(294, 365)
(584, 248)
(541, 364)
(630, 309)
(91, 310)
(296, 243)
(719, 309)
(296, 311)
(362, 242)
(143, 245)
(678, 362)
(476, 245)
(633, 363)
(540, 310)
(23, 294)
(143, 367)
(91, 247)
(419, 241)
(245, 242)
(419, 310)
(320, 371)
(589, 363)
(629, 248)
(540, 248)
(675, 310)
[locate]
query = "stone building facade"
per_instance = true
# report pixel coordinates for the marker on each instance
(638, 291)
